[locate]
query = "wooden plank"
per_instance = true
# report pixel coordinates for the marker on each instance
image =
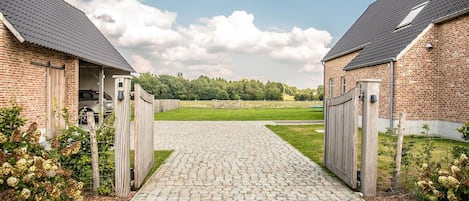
(340, 137)
(398, 157)
(94, 150)
(55, 100)
(369, 162)
(143, 134)
(122, 138)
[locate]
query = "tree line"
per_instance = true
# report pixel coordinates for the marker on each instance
(204, 88)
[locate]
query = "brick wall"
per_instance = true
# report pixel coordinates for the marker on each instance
(334, 69)
(374, 72)
(453, 70)
(429, 84)
(26, 83)
(416, 80)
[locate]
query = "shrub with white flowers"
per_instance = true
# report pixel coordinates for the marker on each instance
(27, 170)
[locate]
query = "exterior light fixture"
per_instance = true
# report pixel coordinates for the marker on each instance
(428, 46)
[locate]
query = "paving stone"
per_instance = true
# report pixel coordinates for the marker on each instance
(235, 161)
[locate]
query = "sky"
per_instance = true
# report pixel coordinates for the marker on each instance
(267, 40)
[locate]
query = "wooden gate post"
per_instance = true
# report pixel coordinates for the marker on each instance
(94, 150)
(122, 138)
(398, 157)
(369, 164)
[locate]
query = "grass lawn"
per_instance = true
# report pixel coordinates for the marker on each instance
(204, 114)
(305, 139)
(311, 144)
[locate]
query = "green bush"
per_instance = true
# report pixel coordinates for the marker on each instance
(80, 163)
(464, 130)
(461, 149)
(28, 171)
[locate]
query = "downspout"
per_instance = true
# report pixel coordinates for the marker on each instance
(391, 94)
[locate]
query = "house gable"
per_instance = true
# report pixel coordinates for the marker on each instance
(425, 77)
(376, 28)
(25, 84)
(57, 25)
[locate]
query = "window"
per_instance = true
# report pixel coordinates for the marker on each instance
(412, 14)
(342, 85)
(331, 87)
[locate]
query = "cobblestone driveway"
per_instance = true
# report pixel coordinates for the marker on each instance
(235, 161)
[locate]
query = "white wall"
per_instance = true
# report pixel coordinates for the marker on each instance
(443, 129)
(89, 79)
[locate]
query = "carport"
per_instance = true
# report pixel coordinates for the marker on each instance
(98, 78)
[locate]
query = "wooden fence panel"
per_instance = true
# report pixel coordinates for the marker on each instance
(143, 134)
(340, 155)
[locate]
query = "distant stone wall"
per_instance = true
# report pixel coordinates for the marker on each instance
(233, 104)
(164, 105)
(243, 104)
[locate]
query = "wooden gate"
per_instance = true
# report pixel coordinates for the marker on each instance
(340, 155)
(143, 134)
(55, 90)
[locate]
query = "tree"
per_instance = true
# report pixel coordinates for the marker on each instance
(205, 88)
(273, 91)
(222, 95)
(320, 92)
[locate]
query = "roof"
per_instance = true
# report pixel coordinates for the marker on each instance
(59, 26)
(375, 33)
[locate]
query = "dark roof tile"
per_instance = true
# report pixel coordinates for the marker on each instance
(57, 25)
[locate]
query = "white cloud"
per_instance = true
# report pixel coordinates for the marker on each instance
(211, 71)
(206, 47)
(141, 64)
(131, 23)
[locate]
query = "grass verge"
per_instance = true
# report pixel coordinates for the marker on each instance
(311, 144)
(159, 156)
(204, 114)
(305, 139)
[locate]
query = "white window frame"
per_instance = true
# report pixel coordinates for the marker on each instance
(411, 16)
(331, 87)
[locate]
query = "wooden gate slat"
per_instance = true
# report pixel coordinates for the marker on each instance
(143, 134)
(341, 136)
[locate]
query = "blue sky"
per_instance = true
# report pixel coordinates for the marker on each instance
(335, 16)
(267, 40)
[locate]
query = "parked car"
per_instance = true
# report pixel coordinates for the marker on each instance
(89, 101)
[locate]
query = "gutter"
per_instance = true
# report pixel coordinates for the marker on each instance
(345, 52)
(451, 16)
(373, 63)
(391, 95)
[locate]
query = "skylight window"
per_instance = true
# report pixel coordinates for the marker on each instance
(412, 14)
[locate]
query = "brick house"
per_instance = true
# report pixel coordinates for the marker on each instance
(420, 51)
(48, 51)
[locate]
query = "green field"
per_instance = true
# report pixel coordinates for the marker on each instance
(204, 114)
(249, 104)
(311, 144)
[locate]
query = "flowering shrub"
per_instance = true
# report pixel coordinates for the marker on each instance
(445, 184)
(75, 153)
(28, 171)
